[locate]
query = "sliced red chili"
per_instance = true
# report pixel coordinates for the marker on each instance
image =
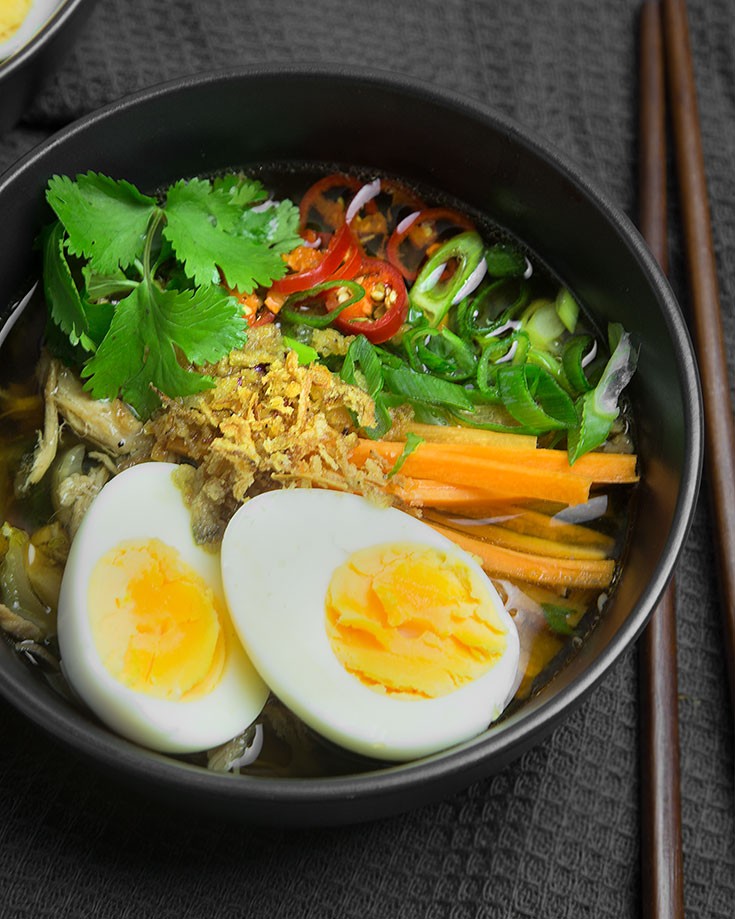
(339, 248)
(328, 211)
(264, 318)
(394, 201)
(383, 309)
(352, 264)
(422, 233)
(402, 199)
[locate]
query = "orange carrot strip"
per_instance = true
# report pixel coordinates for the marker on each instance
(501, 510)
(522, 542)
(606, 468)
(538, 569)
(456, 434)
(535, 523)
(458, 468)
(428, 493)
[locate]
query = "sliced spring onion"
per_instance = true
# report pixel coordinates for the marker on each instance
(362, 368)
(402, 381)
(550, 364)
(510, 355)
(479, 421)
(491, 311)
(505, 261)
(434, 302)
(487, 381)
(573, 362)
(542, 324)
(534, 398)
(431, 280)
(440, 351)
(590, 356)
(472, 282)
(513, 324)
(598, 409)
(567, 309)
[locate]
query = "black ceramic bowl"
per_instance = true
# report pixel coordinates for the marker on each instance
(245, 117)
(22, 73)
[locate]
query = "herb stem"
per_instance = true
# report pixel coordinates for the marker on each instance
(150, 234)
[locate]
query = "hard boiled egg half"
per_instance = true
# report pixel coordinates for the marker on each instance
(20, 20)
(144, 632)
(376, 630)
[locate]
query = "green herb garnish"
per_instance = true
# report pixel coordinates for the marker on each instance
(556, 617)
(412, 441)
(135, 283)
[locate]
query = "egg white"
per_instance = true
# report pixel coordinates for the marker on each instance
(143, 503)
(278, 555)
(38, 15)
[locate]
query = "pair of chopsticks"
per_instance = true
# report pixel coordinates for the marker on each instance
(664, 26)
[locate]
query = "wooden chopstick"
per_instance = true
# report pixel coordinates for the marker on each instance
(706, 321)
(662, 891)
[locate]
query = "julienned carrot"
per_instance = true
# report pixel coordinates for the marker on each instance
(522, 542)
(457, 434)
(537, 569)
(605, 468)
(428, 493)
(458, 468)
(500, 510)
(535, 523)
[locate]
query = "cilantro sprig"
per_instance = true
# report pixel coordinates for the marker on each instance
(133, 283)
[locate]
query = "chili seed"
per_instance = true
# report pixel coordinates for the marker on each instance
(378, 292)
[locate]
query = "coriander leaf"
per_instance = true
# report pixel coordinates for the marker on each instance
(278, 227)
(139, 351)
(188, 204)
(242, 191)
(99, 316)
(65, 304)
(198, 221)
(59, 345)
(556, 616)
(105, 285)
(106, 219)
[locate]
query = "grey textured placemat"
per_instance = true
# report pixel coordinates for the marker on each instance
(556, 833)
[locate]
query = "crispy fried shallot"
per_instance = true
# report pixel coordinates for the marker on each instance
(268, 422)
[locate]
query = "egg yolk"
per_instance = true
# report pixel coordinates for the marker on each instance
(412, 621)
(156, 623)
(12, 14)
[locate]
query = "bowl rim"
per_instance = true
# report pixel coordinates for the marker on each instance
(47, 32)
(157, 770)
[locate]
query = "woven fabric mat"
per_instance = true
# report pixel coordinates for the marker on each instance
(556, 834)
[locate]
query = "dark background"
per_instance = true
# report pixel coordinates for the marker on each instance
(557, 833)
